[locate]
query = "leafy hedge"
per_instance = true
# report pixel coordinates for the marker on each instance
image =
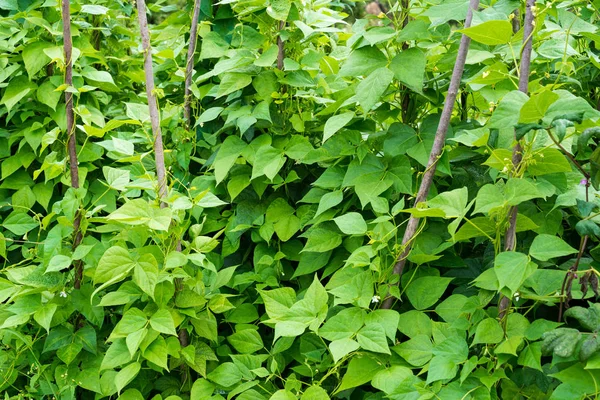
(267, 270)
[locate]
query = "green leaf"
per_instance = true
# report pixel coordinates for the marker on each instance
(453, 203)
(321, 240)
(389, 379)
(43, 315)
(58, 263)
(535, 108)
(137, 112)
(93, 9)
(286, 228)
(175, 259)
(587, 228)
(336, 123)
(232, 82)
(446, 11)
(454, 348)
(370, 90)
(126, 375)
(268, 161)
(413, 323)
(145, 274)
(279, 9)
(162, 321)
(545, 247)
(372, 337)
(519, 190)
(226, 375)
(116, 178)
(351, 224)
(315, 298)
(299, 79)
(17, 89)
(539, 327)
(11, 5)
(341, 347)
(426, 291)
(589, 318)
(488, 331)
(531, 356)
(512, 269)
(283, 394)
(140, 212)
(329, 201)
(416, 351)
(247, 341)
(100, 79)
(115, 262)
(69, 352)
(278, 301)
(388, 319)
(522, 129)
(315, 393)
(268, 57)
(116, 355)
(343, 325)
(548, 161)
(409, 67)
(19, 223)
(579, 380)
(34, 57)
(210, 114)
(490, 32)
(508, 111)
(561, 341)
(361, 370)
(228, 153)
(157, 353)
(451, 308)
(201, 389)
(363, 61)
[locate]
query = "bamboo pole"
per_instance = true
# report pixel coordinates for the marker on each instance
(159, 154)
(438, 145)
(71, 137)
(189, 64)
(280, 47)
(524, 68)
(510, 241)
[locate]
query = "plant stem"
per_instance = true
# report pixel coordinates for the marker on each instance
(510, 241)
(72, 138)
(569, 155)
(567, 282)
(159, 154)
(189, 64)
(438, 145)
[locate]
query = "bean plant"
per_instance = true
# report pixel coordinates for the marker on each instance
(285, 199)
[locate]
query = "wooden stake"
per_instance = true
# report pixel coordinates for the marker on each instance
(159, 154)
(438, 145)
(189, 64)
(71, 137)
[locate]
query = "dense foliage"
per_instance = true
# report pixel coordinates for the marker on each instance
(288, 195)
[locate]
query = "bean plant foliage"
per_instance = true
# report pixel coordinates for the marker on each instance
(266, 269)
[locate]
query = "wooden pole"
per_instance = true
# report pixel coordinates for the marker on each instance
(438, 145)
(510, 241)
(71, 137)
(189, 64)
(159, 154)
